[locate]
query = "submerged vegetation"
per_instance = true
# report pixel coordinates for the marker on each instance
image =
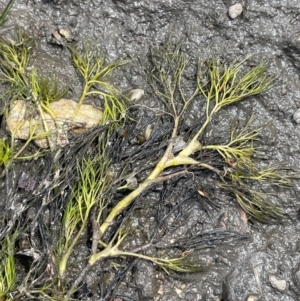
(91, 188)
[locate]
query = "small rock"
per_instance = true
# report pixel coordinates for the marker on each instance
(253, 298)
(160, 290)
(235, 10)
(296, 116)
(59, 36)
(24, 117)
(136, 94)
(279, 284)
(64, 32)
(148, 131)
(56, 38)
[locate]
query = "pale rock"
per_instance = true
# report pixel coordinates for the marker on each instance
(57, 37)
(279, 284)
(296, 116)
(24, 117)
(235, 10)
(136, 94)
(253, 298)
(66, 34)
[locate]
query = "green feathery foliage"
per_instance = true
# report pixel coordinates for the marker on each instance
(90, 61)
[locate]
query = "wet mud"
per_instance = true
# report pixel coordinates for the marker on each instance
(264, 264)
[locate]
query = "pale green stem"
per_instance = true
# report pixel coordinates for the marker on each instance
(47, 108)
(31, 137)
(64, 260)
(179, 160)
(161, 165)
(159, 168)
(194, 145)
(81, 100)
(45, 126)
(121, 205)
(207, 166)
(109, 251)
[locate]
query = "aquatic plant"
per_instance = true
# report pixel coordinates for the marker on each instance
(84, 188)
(14, 60)
(45, 89)
(221, 85)
(39, 91)
(89, 191)
(5, 151)
(89, 60)
(15, 56)
(7, 268)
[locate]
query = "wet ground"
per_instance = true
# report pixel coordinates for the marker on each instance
(266, 266)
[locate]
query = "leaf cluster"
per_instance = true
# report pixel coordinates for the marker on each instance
(45, 89)
(89, 60)
(88, 192)
(224, 85)
(165, 75)
(5, 151)
(7, 267)
(14, 60)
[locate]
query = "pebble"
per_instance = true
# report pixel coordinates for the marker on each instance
(279, 284)
(296, 116)
(136, 94)
(235, 10)
(253, 298)
(148, 131)
(64, 32)
(19, 123)
(58, 40)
